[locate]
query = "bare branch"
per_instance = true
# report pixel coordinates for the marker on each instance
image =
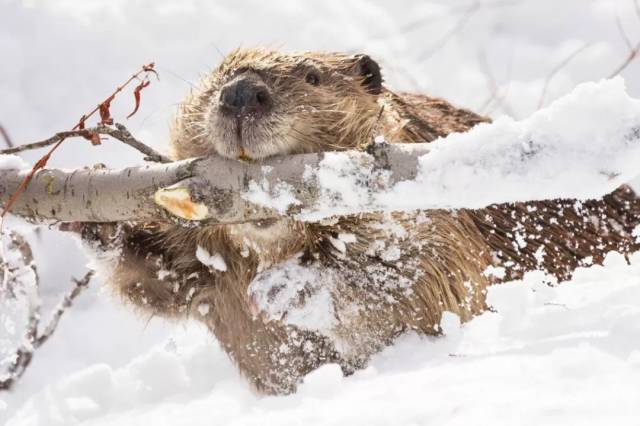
(50, 141)
(466, 16)
(496, 96)
(103, 109)
(633, 49)
(24, 354)
(633, 53)
(421, 21)
(623, 33)
(9, 280)
(22, 359)
(152, 192)
(314, 186)
(98, 195)
(120, 133)
(123, 135)
(32, 338)
(5, 136)
(217, 190)
(491, 80)
(557, 69)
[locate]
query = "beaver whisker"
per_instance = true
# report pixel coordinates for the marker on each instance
(193, 114)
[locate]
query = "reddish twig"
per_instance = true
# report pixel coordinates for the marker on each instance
(105, 116)
(136, 95)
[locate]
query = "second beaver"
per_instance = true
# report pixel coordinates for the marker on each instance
(284, 297)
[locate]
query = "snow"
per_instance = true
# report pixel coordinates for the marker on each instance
(636, 232)
(215, 260)
(203, 309)
(280, 198)
(549, 355)
(584, 145)
(8, 162)
(278, 293)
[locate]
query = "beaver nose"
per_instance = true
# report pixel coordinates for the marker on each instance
(245, 95)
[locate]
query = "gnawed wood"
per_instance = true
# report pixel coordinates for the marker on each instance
(212, 189)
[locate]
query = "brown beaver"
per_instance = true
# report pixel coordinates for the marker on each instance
(284, 297)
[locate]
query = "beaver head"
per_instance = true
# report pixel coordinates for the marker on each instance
(259, 103)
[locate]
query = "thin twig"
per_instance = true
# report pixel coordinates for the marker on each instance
(557, 69)
(496, 94)
(491, 81)
(623, 33)
(123, 135)
(120, 133)
(65, 303)
(105, 116)
(422, 21)
(633, 53)
(5, 136)
(471, 10)
(22, 246)
(633, 49)
(34, 339)
(24, 354)
(50, 141)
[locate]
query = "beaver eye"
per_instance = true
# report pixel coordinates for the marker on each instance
(312, 78)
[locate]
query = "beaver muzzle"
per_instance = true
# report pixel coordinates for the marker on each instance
(245, 96)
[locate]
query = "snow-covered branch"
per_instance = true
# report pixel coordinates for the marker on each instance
(21, 283)
(583, 146)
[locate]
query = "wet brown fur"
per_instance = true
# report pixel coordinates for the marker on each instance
(442, 257)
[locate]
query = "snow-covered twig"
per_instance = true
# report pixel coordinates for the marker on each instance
(65, 303)
(10, 278)
(34, 338)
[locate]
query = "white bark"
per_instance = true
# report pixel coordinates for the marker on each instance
(213, 189)
(582, 146)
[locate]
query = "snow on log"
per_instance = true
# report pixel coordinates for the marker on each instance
(583, 146)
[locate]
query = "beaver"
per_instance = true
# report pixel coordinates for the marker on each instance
(284, 297)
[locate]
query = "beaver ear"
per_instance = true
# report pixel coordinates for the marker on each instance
(369, 70)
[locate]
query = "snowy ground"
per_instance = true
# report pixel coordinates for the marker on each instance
(563, 355)
(549, 355)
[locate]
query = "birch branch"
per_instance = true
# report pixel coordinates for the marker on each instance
(213, 189)
(583, 146)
